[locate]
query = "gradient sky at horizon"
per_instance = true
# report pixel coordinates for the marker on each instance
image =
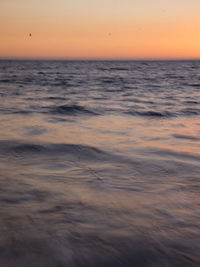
(132, 29)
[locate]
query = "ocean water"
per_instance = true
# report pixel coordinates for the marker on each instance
(99, 163)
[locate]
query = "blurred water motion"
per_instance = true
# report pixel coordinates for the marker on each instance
(99, 163)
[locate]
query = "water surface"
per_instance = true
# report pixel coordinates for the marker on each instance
(99, 163)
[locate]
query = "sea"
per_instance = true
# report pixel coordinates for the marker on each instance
(99, 163)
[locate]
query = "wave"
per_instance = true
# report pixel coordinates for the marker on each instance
(191, 102)
(70, 110)
(107, 81)
(151, 113)
(84, 152)
(194, 85)
(187, 137)
(119, 69)
(190, 111)
(176, 154)
(8, 111)
(6, 81)
(54, 98)
(186, 112)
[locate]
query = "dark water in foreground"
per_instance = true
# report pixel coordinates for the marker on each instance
(99, 164)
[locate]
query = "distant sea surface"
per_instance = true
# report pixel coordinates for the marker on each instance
(99, 163)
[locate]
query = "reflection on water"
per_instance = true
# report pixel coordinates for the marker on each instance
(99, 164)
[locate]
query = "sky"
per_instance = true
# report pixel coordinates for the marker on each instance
(100, 29)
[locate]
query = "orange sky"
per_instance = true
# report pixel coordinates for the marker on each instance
(100, 29)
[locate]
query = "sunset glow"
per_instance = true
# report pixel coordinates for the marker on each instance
(100, 29)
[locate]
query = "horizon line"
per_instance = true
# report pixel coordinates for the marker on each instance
(98, 59)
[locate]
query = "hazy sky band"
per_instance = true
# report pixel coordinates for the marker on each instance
(100, 29)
